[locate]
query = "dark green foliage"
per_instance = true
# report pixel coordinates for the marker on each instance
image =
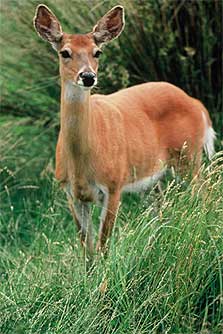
(175, 41)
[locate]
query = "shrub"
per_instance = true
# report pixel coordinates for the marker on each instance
(175, 41)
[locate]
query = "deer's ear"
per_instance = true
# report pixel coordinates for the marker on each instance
(47, 25)
(109, 26)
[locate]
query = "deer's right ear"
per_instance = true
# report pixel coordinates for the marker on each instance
(47, 25)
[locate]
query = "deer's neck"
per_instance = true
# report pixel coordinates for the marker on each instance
(75, 120)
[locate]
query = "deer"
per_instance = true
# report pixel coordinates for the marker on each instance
(122, 142)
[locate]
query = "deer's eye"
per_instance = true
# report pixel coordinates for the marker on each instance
(97, 53)
(65, 54)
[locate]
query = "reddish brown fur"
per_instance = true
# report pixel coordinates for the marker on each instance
(137, 128)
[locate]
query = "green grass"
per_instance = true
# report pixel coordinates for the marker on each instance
(164, 269)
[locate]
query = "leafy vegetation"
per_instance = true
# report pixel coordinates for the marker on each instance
(175, 41)
(164, 270)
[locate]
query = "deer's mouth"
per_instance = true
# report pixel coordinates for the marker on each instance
(87, 79)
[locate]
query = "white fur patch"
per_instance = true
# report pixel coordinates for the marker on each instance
(143, 184)
(73, 93)
(97, 188)
(105, 204)
(209, 138)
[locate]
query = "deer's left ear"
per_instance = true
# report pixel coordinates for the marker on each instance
(109, 26)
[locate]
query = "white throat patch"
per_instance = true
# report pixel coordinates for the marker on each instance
(73, 93)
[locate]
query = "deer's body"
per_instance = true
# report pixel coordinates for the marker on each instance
(118, 142)
(129, 135)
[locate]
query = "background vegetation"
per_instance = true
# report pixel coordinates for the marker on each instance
(164, 271)
(175, 41)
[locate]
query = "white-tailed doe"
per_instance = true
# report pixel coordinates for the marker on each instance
(120, 142)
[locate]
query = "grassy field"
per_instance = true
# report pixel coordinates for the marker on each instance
(164, 270)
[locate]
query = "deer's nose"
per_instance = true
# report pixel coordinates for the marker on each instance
(88, 78)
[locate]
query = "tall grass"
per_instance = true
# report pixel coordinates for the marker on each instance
(176, 41)
(163, 273)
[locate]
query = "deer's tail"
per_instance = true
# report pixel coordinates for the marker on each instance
(209, 136)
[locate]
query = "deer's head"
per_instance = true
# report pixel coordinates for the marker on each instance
(79, 54)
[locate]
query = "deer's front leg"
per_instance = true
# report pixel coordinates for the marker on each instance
(108, 216)
(81, 213)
